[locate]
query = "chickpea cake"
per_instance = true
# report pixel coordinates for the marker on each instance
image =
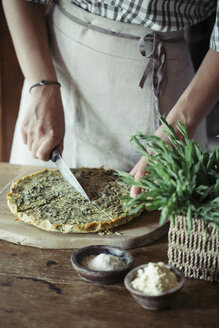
(47, 201)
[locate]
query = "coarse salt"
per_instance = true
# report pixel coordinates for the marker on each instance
(102, 262)
(154, 279)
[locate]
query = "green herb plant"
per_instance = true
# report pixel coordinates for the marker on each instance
(180, 178)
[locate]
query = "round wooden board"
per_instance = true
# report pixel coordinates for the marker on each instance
(139, 232)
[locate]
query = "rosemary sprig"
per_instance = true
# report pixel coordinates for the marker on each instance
(181, 179)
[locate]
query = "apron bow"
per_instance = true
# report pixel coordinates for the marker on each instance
(151, 46)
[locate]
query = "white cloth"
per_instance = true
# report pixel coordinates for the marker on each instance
(103, 103)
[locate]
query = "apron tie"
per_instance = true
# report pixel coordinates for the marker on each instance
(151, 46)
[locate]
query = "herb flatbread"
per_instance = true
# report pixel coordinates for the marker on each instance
(47, 201)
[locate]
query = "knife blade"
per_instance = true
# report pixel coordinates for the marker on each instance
(66, 173)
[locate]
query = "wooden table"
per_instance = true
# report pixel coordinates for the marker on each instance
(39, 288)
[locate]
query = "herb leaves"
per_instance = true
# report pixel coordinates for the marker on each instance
(181, 179)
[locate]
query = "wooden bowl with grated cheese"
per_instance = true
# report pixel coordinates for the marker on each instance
(152, 285)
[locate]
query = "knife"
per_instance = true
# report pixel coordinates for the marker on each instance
(66, 173)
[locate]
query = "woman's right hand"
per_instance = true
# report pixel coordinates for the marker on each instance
(43, 126)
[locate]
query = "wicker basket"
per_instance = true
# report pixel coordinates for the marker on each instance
(193, 254)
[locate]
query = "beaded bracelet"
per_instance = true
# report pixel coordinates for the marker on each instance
(43, 82)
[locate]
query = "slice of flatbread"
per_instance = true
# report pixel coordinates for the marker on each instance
(47, 201)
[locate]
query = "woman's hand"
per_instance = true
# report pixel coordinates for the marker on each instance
(43, 127)
(139, 170)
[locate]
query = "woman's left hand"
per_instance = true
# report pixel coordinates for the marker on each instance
(139, 170)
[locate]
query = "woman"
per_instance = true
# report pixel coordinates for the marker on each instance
(100, 52)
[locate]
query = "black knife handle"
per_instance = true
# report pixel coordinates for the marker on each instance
(54, 155)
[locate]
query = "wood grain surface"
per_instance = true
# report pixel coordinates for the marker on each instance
(139, 232)
(39, 288)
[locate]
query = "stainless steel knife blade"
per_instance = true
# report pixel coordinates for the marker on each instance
(66, 173)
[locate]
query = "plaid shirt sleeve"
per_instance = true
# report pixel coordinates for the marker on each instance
(214, 41)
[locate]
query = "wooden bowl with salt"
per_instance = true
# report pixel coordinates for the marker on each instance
(101, 264)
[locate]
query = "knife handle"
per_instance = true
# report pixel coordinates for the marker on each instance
(54, 155)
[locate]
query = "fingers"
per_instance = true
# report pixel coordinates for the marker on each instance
(30, 139)
(43, 127)
(141, 169)
(28, 136)
(60, 147)
(46, 146)
(45, 150)
(24, 135)
(134, 170)
(138, 172)
(41, 141)
(135, 191)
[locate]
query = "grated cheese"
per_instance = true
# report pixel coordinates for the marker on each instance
(154, 279)
(102, 262)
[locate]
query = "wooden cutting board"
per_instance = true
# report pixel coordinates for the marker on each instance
(139, 232)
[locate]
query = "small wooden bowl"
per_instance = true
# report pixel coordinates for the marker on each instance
(101, 277)
(153, 302)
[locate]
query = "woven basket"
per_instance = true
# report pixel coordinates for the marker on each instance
(193, 254)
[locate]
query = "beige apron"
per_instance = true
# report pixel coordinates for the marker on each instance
(100, 63)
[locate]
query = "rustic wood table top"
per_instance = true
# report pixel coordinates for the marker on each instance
(39, 288)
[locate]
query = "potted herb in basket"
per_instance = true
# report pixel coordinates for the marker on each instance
(182, 181)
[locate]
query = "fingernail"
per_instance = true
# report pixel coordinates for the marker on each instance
(39, 155)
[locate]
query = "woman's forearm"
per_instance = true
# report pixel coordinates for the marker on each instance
(200, 96)
(194, 104)
(43, 125)
(27, 26)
